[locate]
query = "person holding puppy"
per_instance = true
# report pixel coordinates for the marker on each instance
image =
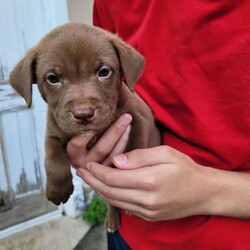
(193, 192)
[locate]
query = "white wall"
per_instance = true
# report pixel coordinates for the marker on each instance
(22, 24)
(80, 11)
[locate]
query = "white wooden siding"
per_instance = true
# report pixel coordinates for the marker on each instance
(3, 179)
(22, 24)
(22, 131)
(21, 151)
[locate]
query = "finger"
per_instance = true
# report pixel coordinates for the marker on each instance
(109, 139)
(133, 196)
(147, 157)
(114, 177)
(115, 193)
(119, 147)
(135, 210)
(76, 149)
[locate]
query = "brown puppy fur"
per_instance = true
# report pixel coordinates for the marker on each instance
(79, 71)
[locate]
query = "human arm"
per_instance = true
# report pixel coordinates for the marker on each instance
(162, 183)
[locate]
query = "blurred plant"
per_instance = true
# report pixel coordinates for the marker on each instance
(96, 212)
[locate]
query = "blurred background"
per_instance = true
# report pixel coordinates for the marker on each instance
(27, 219)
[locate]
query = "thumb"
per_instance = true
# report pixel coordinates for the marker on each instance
(131, 160)
(144, 157)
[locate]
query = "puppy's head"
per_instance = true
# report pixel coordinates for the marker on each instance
(79, 70)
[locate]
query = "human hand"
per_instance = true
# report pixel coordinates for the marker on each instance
(155, 184)
(112, 142)
(159, 183)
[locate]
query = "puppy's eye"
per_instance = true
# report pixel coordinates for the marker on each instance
(104, 72)
(52, 79)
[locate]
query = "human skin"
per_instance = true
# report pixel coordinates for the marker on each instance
(158, 183)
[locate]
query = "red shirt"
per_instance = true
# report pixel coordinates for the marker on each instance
(197, 82)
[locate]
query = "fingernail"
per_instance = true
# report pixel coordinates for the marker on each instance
(121, 159)
(126, 119)
(79, 173)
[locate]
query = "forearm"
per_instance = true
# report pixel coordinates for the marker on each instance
(229, 193)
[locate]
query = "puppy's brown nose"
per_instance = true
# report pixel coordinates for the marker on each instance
(84, 114)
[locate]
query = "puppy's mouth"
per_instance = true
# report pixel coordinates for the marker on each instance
(87, 124)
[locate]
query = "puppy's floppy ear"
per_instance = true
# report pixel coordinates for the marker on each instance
(23, 75)
(132, 62)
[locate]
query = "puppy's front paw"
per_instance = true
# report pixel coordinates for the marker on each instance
(59, 193)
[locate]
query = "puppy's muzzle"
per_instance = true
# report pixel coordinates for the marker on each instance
(84, 114)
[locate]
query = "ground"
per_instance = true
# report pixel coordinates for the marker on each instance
(63, 233)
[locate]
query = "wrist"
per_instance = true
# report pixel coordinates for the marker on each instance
(228, 193)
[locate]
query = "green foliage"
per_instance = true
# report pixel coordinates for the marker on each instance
(96, 211)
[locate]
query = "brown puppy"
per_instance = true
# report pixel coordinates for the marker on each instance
(79, 71)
